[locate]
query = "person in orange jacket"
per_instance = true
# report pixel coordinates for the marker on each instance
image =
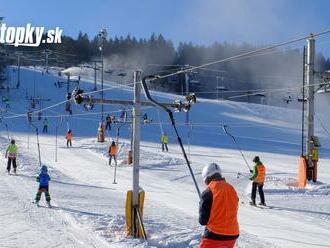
(218, 209)
(69, 137)
(113, 150)
(258, 178)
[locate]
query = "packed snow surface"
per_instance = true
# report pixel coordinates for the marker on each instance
(89, 209)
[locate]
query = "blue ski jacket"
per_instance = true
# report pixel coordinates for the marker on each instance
(43, 179)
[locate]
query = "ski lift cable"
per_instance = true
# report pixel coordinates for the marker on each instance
(63, 102)
(160, 122)
(170, 113)
(38, 144)
(237, 146)
(242, 55)
(322, 125)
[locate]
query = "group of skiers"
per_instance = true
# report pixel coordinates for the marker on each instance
(218, 206)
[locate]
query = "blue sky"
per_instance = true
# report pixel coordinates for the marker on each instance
(200, 21)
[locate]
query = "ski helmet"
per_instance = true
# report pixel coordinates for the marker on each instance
(12, 141)
(210, 170)
(44, 168)
(256, 159)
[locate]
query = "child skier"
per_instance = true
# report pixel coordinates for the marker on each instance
(113, 152)
(69, 137)
(11, 154)
(164, 140)
(43, 180)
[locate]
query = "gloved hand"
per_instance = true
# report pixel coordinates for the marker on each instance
(251, 178)
(251, 171)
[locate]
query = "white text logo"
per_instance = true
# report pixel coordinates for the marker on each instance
(29, 36)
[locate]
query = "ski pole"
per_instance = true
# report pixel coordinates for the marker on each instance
(170, 114)
(38, 144)
(224, 127)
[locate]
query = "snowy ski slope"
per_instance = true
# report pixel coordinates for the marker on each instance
(89, 209)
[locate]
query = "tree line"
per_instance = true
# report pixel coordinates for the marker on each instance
(158, 55)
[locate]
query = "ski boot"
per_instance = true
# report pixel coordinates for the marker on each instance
(48, 204)
(252, 203)
(262, 204)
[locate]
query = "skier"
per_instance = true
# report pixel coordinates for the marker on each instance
(109, 121)
(164, 140)
(146, 119)
(5, 100)
(39, 115)
(11, 153)
(258, 178)
(43, 180)
(69, 137)
(218, 210)
(45, 129)
(123, 116)
(113, 149)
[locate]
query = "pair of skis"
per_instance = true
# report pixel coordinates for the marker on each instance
(38, 204)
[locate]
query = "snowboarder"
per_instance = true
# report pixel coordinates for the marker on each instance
(69, 137)
(113, 150)
(164, 140)
(109, 122)
(43, 180)
(45, 129)
(11, 154)
(218, 210)
(258, 178)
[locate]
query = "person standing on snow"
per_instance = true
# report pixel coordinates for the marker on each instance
(113, 150)
(45, 129)
(164, 140)
(218, 208)
(43, 180)
(11, 154)
(108, 120)
(69, 137)
(258, 178)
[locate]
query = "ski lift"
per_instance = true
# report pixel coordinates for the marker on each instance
(191, 98)
(89, 105)
(185, 106)
(77, 95)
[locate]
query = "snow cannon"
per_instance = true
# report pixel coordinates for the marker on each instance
(185, 106)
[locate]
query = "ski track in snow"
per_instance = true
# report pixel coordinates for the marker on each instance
(89, 209)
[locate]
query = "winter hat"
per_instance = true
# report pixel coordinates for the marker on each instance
(44, 169)
(12, 141)
(256, 159)
(210, 170)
